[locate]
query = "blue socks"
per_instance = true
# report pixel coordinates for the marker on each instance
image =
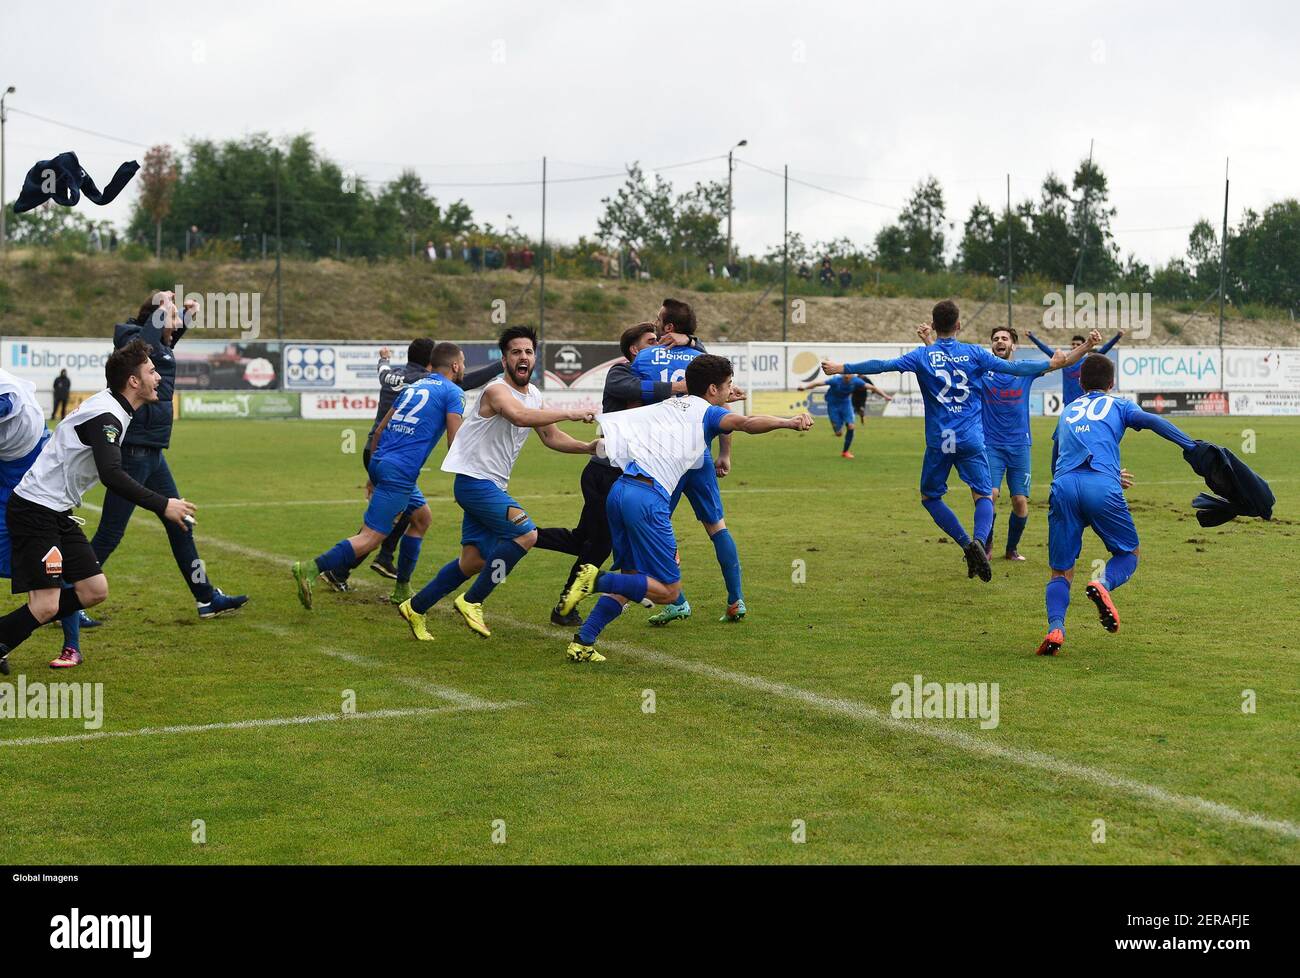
(1058, 600)
(631, 586)
(499, 564)
(408, 555)
(339, 557)
(848, 438)
(444, 582)
(946, 520)
(605, 611)
(1015, 529)
(1118, 570)
(71, 630)
(984, 518)
(729, 560)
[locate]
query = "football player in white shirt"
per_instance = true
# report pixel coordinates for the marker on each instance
(496, 532)
(655, 446)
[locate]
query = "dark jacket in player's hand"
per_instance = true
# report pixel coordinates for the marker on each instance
(1240, 491)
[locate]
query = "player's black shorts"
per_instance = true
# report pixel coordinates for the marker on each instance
(46, 548)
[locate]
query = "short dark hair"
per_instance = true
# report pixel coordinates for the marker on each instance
(631, 335)
(1097, 372)
(420, 351)
(944, 317)
(1015, 337)
(706, 370)
(516, 333)
(123, 363)
(145, 315)
(1076, 336)
(680, 316)
(444, 355)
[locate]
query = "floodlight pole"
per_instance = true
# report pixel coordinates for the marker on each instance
(541, 299)
(785, 258)
(3, 237)
(1223, 264)
(1009, 251)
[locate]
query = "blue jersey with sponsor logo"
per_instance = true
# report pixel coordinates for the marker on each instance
(419, 420)
(840, 388)
(1006, 410)
(665, 365)
(1090, 429)
(950, 374)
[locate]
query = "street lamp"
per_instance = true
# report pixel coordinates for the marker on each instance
(8, 91)
(743, 142)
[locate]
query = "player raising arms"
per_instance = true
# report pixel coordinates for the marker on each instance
(1070, 388)
(655, 447)
(496, 532)
(668, 364)
(1007, 437)
(949, 373)
(46, 543)
(1087, 491)
(839, 403)
(399, 447)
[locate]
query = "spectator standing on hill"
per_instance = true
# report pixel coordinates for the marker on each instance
(846, 278)
(431, 250)
(62, 387)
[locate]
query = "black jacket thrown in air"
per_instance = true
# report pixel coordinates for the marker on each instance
(70, 182)
(1240, 492)
(151, 425)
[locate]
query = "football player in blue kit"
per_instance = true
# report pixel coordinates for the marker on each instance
(1007, 436)
(400, 446)
(660, 364)
(1087, 491)
(839, 403)
(950, 374)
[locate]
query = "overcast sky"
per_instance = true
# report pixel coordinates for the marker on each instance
(859, 98)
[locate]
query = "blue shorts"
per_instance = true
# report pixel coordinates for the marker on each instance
(392, 496)
(641, 529)
(840, 413)
(11, 473)
(701, 487)
(1086, 498)
(485, 523)
(971, 464)
(1015, 463)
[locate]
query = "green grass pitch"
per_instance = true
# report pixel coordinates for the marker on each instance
(762, 733)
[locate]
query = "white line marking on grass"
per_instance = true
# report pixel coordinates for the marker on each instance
(449, 693)
(945, 735)
(977, 746)
(417, 711)
(359, 500)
